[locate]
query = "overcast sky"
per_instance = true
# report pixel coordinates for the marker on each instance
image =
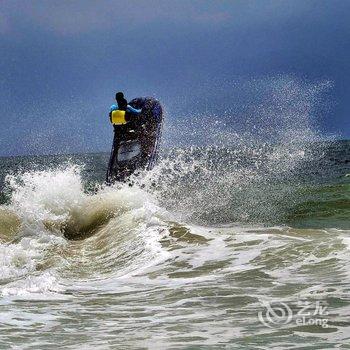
(62, 62)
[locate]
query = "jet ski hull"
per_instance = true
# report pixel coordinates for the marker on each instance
(136, 143)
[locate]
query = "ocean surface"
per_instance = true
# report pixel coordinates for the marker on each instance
(245, 246)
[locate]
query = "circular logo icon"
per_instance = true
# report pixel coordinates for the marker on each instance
(275, 314)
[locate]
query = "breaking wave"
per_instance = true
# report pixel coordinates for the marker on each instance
(60, 224)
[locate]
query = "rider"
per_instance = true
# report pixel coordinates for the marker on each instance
(122, 105)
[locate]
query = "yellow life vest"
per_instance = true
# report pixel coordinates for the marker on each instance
(118, 117)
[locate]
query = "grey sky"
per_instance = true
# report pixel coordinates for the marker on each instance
(62, 61)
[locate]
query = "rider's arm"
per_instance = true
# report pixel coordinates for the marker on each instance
(113, 108)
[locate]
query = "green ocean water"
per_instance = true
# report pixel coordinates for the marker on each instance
(216, 248)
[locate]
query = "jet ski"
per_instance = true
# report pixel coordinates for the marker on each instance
(136, 139)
